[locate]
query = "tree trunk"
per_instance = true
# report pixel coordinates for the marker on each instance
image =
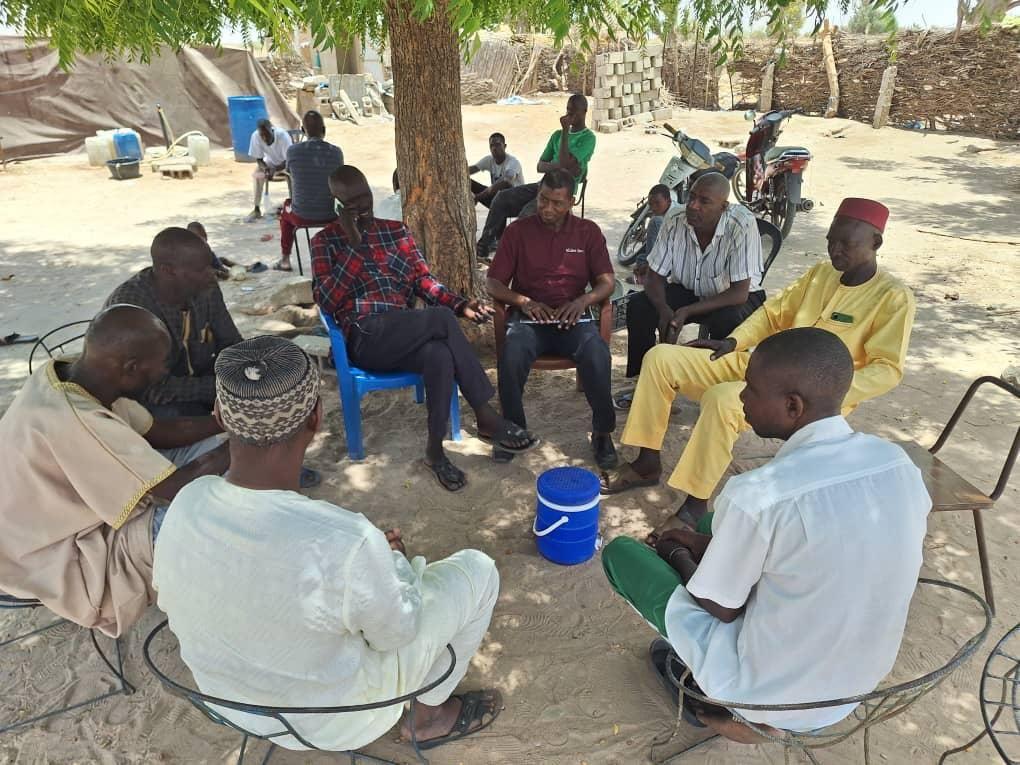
(430, 140)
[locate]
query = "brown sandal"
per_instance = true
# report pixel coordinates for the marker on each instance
(624, 479)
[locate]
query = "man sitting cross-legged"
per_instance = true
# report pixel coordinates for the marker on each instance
(706, 268)
(799, 588)
(84, 487)
(282, 600)
(866, 308)
(366, 274)
(541, 270)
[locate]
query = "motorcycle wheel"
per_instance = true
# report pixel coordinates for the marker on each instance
(633, 240)
(781, 209)
(739, 183)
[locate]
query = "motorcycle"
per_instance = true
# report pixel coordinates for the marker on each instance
(770, 177)
(691, 162)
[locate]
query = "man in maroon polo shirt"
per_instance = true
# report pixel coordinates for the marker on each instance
(540, 272)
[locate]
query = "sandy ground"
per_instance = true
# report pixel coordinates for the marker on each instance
(568, 655)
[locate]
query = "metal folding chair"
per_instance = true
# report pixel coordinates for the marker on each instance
(999, 692)
(9, 602)
(56, 342)
(873, 708)
(951, 492)
(208, 706)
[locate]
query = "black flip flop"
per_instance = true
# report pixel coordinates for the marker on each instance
(474, 707)
(15, 339)
(278, 267)
(659, 652)
(508, 431)
(449, 476)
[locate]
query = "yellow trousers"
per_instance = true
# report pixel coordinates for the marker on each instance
(716, 385)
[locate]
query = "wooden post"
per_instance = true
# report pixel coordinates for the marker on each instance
(830, 71)
(767, 83)
(885, 94)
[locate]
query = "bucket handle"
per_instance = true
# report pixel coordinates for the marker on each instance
(549, 529)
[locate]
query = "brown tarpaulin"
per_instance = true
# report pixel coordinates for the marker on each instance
(45, 110)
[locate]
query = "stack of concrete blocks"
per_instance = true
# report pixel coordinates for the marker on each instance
(628, 88)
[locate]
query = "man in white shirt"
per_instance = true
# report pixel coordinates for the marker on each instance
(800, 591)
(505, 171)
(282, 600)
(705, 268)
(268, 147)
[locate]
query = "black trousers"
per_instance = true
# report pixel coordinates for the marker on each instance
(506, 204)
(643, 320)
(429, 342)
(526, 342)
(477, 188)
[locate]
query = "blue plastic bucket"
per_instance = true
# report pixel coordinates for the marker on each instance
(567, 515)
(126, 144)
(244, 113)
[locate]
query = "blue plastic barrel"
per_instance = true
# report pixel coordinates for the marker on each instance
(567, 515)
(126, 144)
(245, 113)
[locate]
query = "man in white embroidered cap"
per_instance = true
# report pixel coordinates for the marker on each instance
(278, 599)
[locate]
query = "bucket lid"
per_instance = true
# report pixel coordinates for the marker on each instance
(568, 485)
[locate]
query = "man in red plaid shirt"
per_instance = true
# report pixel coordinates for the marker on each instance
(366, 274)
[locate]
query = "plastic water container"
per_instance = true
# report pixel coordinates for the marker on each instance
(127, 144)
(567, 515)
(244, 113)
(198, 147)
(100, 150)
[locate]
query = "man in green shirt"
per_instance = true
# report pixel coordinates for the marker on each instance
(569, 148)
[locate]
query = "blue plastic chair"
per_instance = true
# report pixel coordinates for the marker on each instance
(354, 383)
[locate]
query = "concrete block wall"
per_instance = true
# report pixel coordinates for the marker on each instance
(628, 88)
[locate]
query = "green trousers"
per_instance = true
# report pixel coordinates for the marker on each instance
(642, 578)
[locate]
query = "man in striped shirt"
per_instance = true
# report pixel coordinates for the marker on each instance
(705, 268)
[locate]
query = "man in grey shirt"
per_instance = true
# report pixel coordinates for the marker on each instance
(310, 163)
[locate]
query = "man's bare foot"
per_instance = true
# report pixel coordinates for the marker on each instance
(253, 216)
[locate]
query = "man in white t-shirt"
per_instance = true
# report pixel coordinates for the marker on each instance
(505, 171)
(281, 600)
(797, 589)
(268, 147)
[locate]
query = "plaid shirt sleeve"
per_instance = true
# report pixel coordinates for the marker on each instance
(331, 285)
(425, 285)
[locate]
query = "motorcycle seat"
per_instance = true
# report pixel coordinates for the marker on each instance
(777, 151)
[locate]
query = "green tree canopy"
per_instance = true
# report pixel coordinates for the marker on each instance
(137, 28)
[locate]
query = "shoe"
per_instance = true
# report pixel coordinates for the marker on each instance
(604, 451)
(622, 401)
